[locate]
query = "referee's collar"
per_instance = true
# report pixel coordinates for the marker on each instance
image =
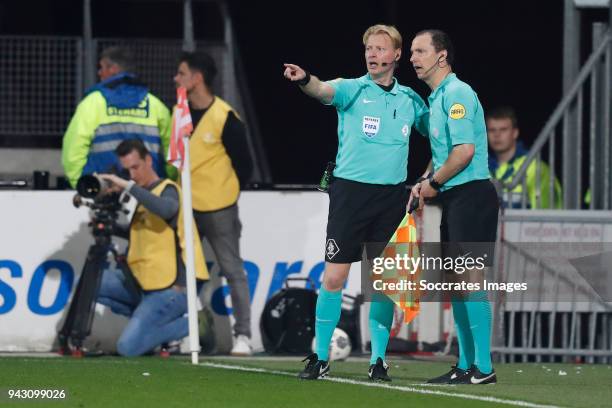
(393, 90)
(450, 77)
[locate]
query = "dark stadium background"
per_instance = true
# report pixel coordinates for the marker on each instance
(509, 51)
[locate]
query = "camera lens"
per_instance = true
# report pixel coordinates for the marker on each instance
(90, 186)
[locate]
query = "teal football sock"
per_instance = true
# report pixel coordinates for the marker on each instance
(464, 335)
(329, 306)
(381, 317)
(480, 317)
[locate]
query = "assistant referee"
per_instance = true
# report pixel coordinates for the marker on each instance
(459, 175)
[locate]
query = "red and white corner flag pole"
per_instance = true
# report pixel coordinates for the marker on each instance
(178, 156)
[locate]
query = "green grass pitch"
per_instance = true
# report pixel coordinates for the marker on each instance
(156, 382)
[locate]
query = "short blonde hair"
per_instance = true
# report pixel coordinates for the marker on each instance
(390, 30)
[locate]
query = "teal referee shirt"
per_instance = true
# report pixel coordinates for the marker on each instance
(456, 117)
(373, 129)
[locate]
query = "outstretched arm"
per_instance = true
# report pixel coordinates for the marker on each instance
(314, 88)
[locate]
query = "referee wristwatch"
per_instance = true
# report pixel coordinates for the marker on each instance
(433, 183)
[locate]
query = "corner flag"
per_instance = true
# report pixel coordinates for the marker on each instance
(181, 126)
(178, 156)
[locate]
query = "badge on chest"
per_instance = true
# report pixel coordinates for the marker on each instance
(371, 125)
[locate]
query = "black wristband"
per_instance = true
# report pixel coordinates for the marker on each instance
(304, 81)
(434, 184)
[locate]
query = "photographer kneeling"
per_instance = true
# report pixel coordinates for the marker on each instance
(157, 305)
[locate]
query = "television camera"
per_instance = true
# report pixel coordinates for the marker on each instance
(106, 205)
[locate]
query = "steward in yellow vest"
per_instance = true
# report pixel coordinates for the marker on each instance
(220, 165)
(118, 108)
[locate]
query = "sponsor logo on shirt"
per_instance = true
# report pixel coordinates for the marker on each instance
(371, 125)
(405, 130)
(457, 111)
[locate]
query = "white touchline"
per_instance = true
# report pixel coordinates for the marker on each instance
(515, 403)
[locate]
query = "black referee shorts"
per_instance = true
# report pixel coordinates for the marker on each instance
(361, 213)
(469, 215)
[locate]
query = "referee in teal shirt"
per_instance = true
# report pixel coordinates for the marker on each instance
(459, 176)
(368, 197)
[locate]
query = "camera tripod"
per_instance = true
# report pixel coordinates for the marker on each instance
(78, 322)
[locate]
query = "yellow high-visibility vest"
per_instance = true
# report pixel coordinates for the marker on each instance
(214, 183)
(153, 247)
